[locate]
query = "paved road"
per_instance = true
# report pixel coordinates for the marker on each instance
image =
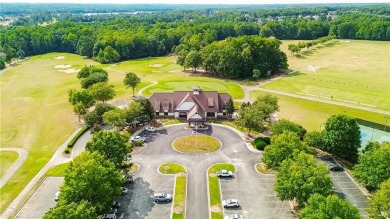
(42, 200)
(23, 154)
(233, 151)
(57, 159)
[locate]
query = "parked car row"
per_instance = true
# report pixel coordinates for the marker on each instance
(144, 135)
(229, 203)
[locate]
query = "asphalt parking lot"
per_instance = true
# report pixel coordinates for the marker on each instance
(255, 195)
(42, 200)
(138, 203)
(345, 188)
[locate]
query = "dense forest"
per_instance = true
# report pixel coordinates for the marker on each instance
(109, 38)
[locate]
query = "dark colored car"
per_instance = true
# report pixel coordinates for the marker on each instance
(335, 168)
(128, 179)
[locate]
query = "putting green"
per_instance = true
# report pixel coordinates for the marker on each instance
(206, 84)
(197, 144)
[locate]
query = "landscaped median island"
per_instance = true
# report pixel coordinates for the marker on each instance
(179, 197)
(197, 144)
(214, 188)
(260, 168)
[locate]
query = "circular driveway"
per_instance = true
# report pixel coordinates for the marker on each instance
(233, 151)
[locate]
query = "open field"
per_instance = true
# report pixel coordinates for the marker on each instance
(311, 114)
(356, 71)
(7, 158)
(197, 144)
(35, 113)
(170, 77)
(214, 188)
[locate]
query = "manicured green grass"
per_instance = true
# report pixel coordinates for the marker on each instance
(7, 158)
(36, 107)
(197, 144)
(311, 114)
(355, 70)
(57, 170)
(186, 83)
(179, 198)
(214, 188)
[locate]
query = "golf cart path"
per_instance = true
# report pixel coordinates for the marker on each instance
(23, 154)
(56, 160)
(144, 88)
(248, 89)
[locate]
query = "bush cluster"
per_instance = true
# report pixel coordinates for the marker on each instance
(261, 142)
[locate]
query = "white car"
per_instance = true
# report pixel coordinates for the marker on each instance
(162, 197)
(56, 197)
(224, 173)
(233, 216)
(138, 138)
(230, 203)
(150, 129)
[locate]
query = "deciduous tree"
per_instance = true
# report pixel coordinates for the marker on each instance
(81, 210)
(380, 202)
(93, 178)
(111, 144)
(102, 91)
(373, 166)
(115, 118)
(193, 60)
(342, 135)
(83, 97)
(282, 147)
(229, 107)
(79, 109)
(330, 207)
(131, 80)
(286, 125)
(267, 104)
(302, 177)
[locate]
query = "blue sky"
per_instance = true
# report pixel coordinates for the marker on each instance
(201, 1)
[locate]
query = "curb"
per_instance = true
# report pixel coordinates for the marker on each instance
(264, 174)
(174, 187)
(220, 190)
(173, 148)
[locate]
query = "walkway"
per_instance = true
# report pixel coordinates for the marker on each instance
(23, 154)
(56, 160)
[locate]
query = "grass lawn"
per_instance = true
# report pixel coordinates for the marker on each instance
(311, 114)
(206, 84)
(355, 70)
(197, 144)
(214, 189)
(179, 198)
(7, 158)
(57, 170)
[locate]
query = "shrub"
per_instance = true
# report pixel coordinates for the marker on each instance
(138, 143)
(67, 151)
(74, 139)
(261, 142)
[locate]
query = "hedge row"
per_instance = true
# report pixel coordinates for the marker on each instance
(73, 141)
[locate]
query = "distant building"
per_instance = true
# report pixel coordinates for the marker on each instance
(195, 105)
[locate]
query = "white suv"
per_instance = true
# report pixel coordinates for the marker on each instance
(228, 203)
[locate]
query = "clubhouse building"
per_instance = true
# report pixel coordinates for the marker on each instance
(195, 106)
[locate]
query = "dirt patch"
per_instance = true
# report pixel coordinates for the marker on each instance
(156, 65)
(70, 71)
(59, 57)
(178, 209)
(63, 66)
(138, 149)
(212, 175)
(166, 167)
(215, 208)
(181, 174)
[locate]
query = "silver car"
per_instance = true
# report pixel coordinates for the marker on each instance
(233, 216)
(162, 197)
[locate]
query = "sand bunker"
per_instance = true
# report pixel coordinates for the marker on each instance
(59, 57)
(157, 65)
(62, 66)
(70, 71)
